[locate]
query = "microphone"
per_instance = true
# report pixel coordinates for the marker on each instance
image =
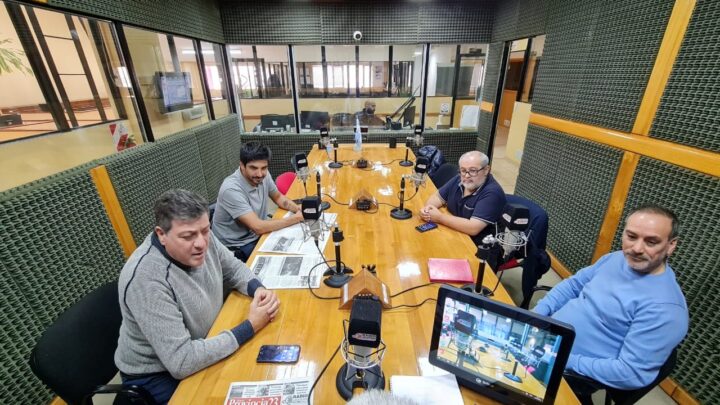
(401, 212)
(464, 324)
(335, 164)
(362, 348)
(515, 220)
(324, 205)
(313, 225)
(301, 166)
(421, 167)
(417, 139)
(483, 253)
(339, 275)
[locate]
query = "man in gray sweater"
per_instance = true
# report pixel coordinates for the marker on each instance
(171, 291)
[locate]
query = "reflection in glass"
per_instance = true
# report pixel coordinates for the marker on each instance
(167, 69)
(216, 78)
(261, 76)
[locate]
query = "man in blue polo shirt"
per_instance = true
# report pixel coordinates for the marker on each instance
(473, 197)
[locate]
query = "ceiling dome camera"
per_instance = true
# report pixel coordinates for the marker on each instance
(357, 35)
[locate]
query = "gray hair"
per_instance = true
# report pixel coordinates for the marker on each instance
(178, 204)
(484, 160)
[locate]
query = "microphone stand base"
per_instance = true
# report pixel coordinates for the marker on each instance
(368, 379)
(513, 377)
(398, 213)
(337, 280)
(406, 163)
(485, 292)
(335, 165)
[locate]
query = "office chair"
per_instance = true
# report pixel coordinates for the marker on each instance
(625, 397)
(284, 181)
(537, 261)
(74, 357)
(443, 174)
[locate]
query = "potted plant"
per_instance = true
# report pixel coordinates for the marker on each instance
(10, 60)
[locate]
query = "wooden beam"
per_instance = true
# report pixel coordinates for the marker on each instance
(700, 160)
(669, 48)
(558, 266)
(114, 211)
(618, 197)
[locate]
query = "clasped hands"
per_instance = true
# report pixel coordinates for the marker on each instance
(430, 213)
(263, 308)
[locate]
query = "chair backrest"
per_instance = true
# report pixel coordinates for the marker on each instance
(284, 181)
(76, 353)
(537, 261)
(443, 174)
(626, 397)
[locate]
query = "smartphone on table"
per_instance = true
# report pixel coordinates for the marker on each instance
(278, 354)
(426, 226)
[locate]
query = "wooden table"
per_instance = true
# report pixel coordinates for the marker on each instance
(400, 253)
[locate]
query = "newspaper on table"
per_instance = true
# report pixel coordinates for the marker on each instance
(292, 240)
(292, 391)
(293, 271)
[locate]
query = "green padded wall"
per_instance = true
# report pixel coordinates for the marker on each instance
(689, 111)
(139, 177)
(284, 146)
(57, 245)
(598, 58)
(182, 162)
(519, 19)
(572, 179)
(695, 199)
(217, 163)
(194, 18)
(381, 22)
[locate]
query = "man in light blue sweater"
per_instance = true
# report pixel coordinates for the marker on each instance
(171, 291)
(627, 309)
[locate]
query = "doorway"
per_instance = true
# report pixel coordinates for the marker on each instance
(514, 107)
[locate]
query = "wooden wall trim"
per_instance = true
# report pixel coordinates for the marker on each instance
(680, 155)
(618, 196)
(115, 213)
(558, 266)
(669, 48)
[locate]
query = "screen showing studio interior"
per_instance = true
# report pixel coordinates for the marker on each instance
(497, 349)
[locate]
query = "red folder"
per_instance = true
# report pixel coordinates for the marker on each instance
(449, 270)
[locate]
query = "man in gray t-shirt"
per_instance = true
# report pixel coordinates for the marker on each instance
(241, 213)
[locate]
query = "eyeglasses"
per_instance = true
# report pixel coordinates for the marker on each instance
(471, 172)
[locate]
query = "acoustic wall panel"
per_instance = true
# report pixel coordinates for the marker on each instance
(695, 199)
(519, 19)
(195, 18)
(380, 22)
(57, 245)
(572, 179)
(689, 111)
(598, 58)
(260, 23)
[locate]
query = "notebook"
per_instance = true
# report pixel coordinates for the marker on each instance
(449, 270)
(437, 389)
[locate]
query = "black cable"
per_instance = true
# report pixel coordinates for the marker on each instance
(325, 262)
(498, 283)
(322, 372)
(336, 201)
(412, 306)
(390, 205)
(412, 288)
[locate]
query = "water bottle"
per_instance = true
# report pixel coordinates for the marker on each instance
(358, 136)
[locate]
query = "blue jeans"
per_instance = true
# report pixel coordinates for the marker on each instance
(244, 252)
(160, 385)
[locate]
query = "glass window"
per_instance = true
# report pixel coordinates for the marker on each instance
(533, 63)
(360, 76)
(454, 102)
(216, 78)
(166, 67)
(63, 73)
(261, 76)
